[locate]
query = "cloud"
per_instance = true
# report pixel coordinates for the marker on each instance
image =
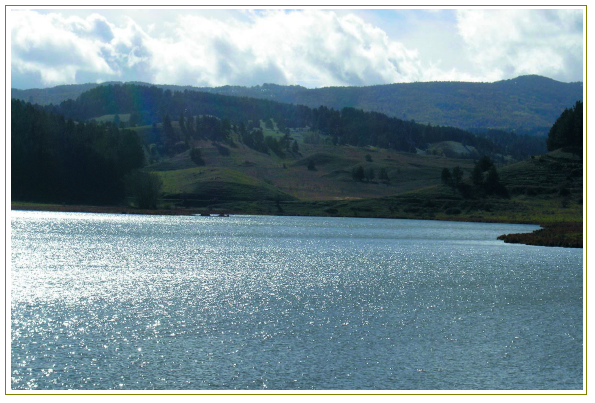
(57, 48)
(313, 47)
(309, 47)
(508, 43)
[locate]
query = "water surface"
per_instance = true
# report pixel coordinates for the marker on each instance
(289, 303)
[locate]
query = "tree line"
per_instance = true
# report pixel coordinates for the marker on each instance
(349, 126)
(485, 180)
(567, 131)
(54, 159)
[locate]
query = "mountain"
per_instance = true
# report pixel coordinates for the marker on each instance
(527, 104)
(143, 105)
(54, 95)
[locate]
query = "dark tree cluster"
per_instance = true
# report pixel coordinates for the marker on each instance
(567, 131)
(255, 140)
(358, 173)
(54, 159)
(196, 157)
(145, 189)
(488, 183)
(453, 179)
(482, 183)
(212, 128)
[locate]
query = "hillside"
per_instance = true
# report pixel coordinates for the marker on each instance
(528, 104)
(53, 95)
(331, 178)
(543, 189)
(137, 105)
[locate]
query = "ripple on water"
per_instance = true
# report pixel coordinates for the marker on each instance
(149, 302)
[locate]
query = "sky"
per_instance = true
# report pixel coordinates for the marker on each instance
(309, 47)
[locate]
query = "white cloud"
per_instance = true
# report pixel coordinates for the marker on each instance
(508, 43)
(314, 48)
(310, 47)
(57, 48)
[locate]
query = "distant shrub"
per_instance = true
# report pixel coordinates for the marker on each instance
(358, 173)
(196, 157)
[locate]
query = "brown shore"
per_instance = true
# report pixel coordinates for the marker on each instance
(568, 235)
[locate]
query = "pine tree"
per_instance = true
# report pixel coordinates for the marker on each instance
(457, 176)
(477, 175)
(492, 183)
(446, 176)
(358, 173)
(567, 131)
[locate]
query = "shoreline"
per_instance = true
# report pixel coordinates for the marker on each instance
(80, 208)
(556, 235)
(564, 234)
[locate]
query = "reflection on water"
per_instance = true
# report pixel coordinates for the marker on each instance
(287, 303)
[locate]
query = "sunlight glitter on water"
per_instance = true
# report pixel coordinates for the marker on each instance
(148, 302)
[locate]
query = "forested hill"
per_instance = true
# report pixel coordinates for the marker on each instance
(53, 95)
(525, 104)
(349, 126)
(528, 104)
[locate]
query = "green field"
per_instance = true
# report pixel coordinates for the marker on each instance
(332, 178)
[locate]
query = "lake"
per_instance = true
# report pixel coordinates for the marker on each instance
(127, 302)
